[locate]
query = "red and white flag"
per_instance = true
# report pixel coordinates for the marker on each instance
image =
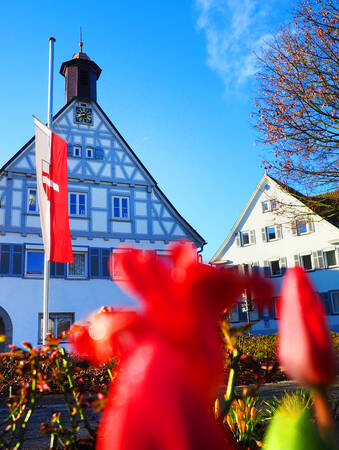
(51, 173)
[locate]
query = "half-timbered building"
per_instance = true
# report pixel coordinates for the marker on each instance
(113, 199)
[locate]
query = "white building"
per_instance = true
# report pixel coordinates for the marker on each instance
(112, 199)
(276, 231)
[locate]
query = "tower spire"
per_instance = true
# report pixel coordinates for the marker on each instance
(81, 43)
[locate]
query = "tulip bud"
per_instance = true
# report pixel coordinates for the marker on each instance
(304, 348)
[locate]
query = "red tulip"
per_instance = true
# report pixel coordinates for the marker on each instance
(95, 340)
(171, 365)
(305, 350)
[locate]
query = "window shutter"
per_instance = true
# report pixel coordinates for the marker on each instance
(94, 262)
(69, 150)
(267, 271)
(283, 264)
(252, 237)
(310, 226)
(238, 239)
(315, 260)
(104, 262)
(318, 259)
(325, 298)
(18, 260)
(264, 234)
(294, 228)
(263, 207)
(321, 259)
(279, 231)
(337, 255)
(296, 260)
(99, 153)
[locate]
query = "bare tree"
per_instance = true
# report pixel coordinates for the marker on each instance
(297, 111)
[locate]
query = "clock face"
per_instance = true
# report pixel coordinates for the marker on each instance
(83, 115)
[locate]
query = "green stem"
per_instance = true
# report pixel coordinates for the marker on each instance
(75, 396)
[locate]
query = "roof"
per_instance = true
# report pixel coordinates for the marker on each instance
(196, 235)
(326, 204)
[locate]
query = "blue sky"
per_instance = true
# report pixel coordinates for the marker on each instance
(178, 82)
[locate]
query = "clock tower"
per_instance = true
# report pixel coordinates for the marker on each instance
(81, 75)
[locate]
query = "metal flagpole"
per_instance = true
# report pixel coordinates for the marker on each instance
(45, 315)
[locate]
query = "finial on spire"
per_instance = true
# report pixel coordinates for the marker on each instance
(81, 43)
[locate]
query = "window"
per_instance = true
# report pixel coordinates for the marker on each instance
(78, 269)
(245, 238)
(330, 257)
(120, 207)
(265, 206)
(77, 204)
(335, 301)
(32, 201)
(98, 262)
(273, 308)
(275, 267)
(271, 233)
(306, 261)
(268, 205)
(11, 259)
(326, 301)
(233, 314)
(89, 153)
(301, 226)
(77, 151)
(34, 263)
(57, 324)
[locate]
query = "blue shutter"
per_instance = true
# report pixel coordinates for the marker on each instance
(105, 252)
(99, 153)
(17, 259)
(94, 266)
(69, 150)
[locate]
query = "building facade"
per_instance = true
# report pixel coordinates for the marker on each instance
(275, 231)
(113, 199)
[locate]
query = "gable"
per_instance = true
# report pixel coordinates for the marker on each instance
(254, 220)
(112, 169)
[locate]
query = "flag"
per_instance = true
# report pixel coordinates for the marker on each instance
(51, 173)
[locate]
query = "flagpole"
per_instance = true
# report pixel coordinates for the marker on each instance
(45, 315)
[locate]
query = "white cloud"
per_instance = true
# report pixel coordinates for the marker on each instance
(234, 30)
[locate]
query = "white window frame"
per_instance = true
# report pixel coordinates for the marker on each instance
(89, 152)
(33, 250)
(242, 238)
(336, 253)
(77, 151)
(275, 232)
(271, 271)
(301, 260)
(36, 209)
(331, 293)
(120, 217)
(84, 275)
(54, 316)
(77, 194)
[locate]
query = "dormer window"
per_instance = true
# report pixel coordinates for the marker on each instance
(268, 205)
